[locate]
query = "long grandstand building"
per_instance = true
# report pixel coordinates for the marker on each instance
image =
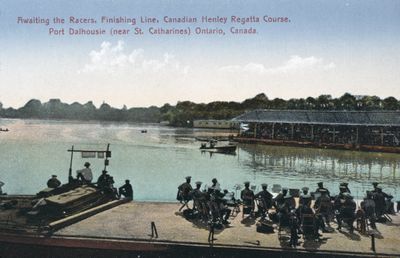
(358, 130)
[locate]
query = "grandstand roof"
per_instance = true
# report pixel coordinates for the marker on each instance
(366, 118)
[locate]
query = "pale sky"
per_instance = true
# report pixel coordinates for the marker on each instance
(329, 47)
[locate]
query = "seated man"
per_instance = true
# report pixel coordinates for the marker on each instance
(85, 174)
(53, 182)
(368, 206)
(321, 187)
(265, 201)
(126, 190)
(103, 179)
(184, 190)
(346, 212)
(323, 207)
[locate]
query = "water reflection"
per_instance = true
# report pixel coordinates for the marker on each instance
(308, 166)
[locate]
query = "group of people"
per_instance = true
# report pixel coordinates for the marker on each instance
(105, 182)
(313, 212)
(211, 204)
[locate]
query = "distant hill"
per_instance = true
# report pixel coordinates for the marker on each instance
(184, 112)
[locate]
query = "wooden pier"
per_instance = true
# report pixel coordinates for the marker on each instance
(130, 229)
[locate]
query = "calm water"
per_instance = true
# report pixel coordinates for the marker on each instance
(158, 161)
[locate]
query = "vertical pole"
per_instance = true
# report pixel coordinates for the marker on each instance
(273, 131)
(334, 134)
(105, 161)
(292, 131)
(357, 135)
(373, 242)
(382, 136)
(70, 165)
(255, 130)
(312, 132)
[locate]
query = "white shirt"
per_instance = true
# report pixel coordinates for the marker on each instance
(86, 173)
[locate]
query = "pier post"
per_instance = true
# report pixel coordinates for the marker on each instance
(373, 242)
(154, 230)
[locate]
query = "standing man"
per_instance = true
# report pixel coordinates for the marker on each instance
(85, 174)
(53, 182)
(126, 190)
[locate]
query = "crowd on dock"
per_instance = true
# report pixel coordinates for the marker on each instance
(301, 212)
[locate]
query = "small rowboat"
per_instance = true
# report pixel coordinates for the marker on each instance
(220, 149)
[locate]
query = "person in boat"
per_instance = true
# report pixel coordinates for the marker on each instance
(320, 187)
(126, 190)
(85, 174)
(184, 190)
(247, 195)
(103, 179)
(265, 201)
(53, 182)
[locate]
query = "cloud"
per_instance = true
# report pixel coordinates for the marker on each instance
(114, 59)
(294, 64)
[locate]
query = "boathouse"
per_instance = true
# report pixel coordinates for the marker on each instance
(216, 124)
(344, 129)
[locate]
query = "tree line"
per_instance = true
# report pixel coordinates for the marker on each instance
(184, 112)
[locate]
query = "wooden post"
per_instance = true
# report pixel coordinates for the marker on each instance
(273, 131)
(312, 132)
(357, 135)
(333, 135)
(382, 135)
(255, 130)
(292, 131)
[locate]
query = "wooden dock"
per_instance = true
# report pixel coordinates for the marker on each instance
(127, 228)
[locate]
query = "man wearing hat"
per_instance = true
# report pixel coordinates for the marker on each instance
(85, 174)
(184, 191)
(103, 179)
(345, 185)
(304, 196)
(265, 201)
(126, 190)
(53, 182)
(279, 200)
(347, 212)
(323, 208)
(375, 185)
(320, 187)
(247, 195)
(368, 206)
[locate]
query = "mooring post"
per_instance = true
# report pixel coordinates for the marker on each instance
(154, 230)
(373, 242)
(211, 233)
